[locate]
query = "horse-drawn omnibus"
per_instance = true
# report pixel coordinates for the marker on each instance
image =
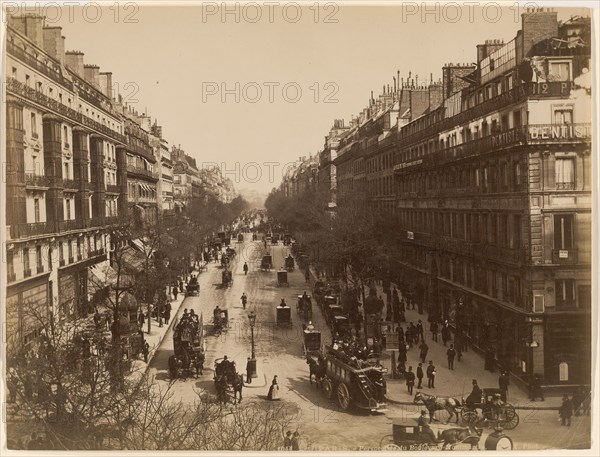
(188, 345)
(353, 383)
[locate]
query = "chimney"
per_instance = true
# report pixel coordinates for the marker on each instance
(436, 96)
(30, 25)
(536, 26)
(106, 83)
(395, 88)
(92, 75)
(54, 43)
(74, 60)
(452, 77)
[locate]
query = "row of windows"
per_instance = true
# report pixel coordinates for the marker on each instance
(383, 185)
(380, 162)
(52, 91)
(500, 229)
(43, 256)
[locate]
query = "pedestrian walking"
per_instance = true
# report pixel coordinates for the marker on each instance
(307, 275)
(434, 330)
(445, 332)
(535, 388)
(244, 299)
(287, 441)
(503, 382)
(420, 331)
(410, 380)
(145, 350)
(167, 312)
(181, 285)
(141, 319)
(566, 411)
(273, 390)
(402, 359)
(175, 291)
(249, 372)
(424, 349)
(431, 375)
(451, 353)
(296, 441)
(420, 375)
(459, 344)
(245, 268)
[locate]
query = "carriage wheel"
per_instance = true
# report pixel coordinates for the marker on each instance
(469, 416)
(327, 388)
(509, 418)
(343, 396)
(387, 444)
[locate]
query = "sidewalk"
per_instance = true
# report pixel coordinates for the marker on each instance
(455, 383)
(158, 333)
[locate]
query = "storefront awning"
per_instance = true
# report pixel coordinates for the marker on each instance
(100, 276)
(133, 260)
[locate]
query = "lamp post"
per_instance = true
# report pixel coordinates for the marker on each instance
(252, 320)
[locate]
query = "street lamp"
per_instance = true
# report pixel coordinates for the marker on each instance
(252, 362)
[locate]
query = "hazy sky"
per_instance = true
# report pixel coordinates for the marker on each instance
(178, 59)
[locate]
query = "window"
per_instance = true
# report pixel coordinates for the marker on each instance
(515, 241)
(33, 125)
(563, 116)
(565, 293)
(38, 259)
(39, 86)
(79, 253)
(563, 231)
(68, 208)
(560, 71)
(564, 169)
(517, 179)
(36, 209)
(49, 259)
(61, 253)
(27, 80)
(70, 250)
(66, 136)
(516, 118)
(26, 266)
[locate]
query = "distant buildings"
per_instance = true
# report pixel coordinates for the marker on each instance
(486, 174)
(78, 162)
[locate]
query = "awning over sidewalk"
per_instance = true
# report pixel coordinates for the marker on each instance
(101, 275)
(133, 261)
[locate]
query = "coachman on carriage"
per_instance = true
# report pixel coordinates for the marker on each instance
(188, 345)
(193, 286)
(304, 306)
(228, 383)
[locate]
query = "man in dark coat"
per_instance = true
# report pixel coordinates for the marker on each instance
(167, 312)
(420, 331)
(475, 395)
(434, 330)
(410, 380)
(424, 349)
(420, 375)
(248, 371)
(536, 388)
(451, 353)
(566, 411)
(431, 375)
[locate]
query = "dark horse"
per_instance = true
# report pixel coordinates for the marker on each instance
(174, 367)
(229, 382)
(434, 403)
(317, 369)
(451, 436)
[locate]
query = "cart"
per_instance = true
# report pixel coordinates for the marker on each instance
(193, 287)
(282, 279)
(226, 278)
(287, 239)
(221, 322)
(267, 263)
(502, 414)
(311, 342)
(284, 316)
(340, 325)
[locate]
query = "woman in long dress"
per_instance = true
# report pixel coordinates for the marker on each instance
(273, 390)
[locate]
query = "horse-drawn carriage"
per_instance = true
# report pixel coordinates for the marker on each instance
(240, 238)
(230, 253)
(220, 320)
(352, 382)
(226, 278)
(284, 316)
(266, 263)
(340, 325)
(193, 287)
(493, 411)
(409, 435)
(188, 345)
(228, 383)
(282, 279)
(287, 239)
(289, 263)
(304, 307)
(311, 340)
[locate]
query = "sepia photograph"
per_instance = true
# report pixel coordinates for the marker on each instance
(335, 227)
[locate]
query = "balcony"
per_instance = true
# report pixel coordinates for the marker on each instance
(70, 184)
(31, 229)
(38, 181)
(71, 224)
(564, 256)
(113, 188)
(565, 186)
(142, 172)
(20, 89)
(527, 134)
